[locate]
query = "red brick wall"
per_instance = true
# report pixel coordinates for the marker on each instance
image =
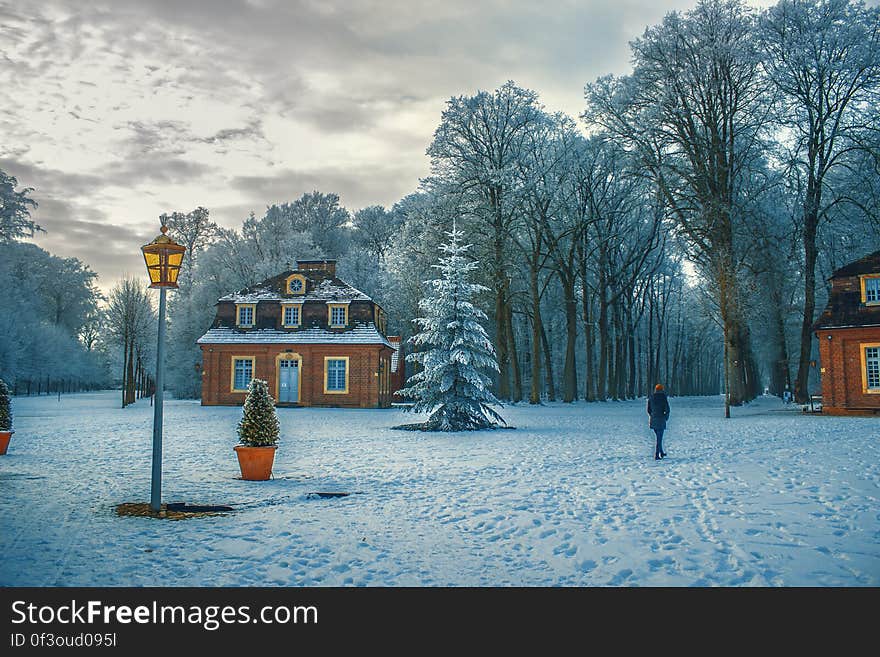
(363, 364)
(841, 371)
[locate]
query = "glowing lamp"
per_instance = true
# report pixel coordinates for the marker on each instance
(163, 257)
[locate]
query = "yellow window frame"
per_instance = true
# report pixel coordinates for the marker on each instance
(327, 360)
(863, 285)
(238, 308)
(295, 277)
(330, 307)
(284, 307)
(253, 360)
(863, 347)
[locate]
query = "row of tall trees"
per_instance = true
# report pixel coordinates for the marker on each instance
(59, 333)
(676, 232)
(721, 99)
(50, 322)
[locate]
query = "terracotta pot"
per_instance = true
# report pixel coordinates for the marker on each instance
(255, 462)
(4, 440)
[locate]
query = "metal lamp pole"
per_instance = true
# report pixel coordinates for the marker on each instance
(156, 484)
(163, 257)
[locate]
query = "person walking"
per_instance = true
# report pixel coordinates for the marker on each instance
(658, 412)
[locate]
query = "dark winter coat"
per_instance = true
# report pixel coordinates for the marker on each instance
(658, 409)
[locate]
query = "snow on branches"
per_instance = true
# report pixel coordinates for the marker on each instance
(453, 349)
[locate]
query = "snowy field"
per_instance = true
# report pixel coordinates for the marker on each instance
(573, 497)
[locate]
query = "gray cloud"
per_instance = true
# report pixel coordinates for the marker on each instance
(51, 182)
(356, 189)
(109, 249)
(77, 123)
(154, 167)
(152, 136)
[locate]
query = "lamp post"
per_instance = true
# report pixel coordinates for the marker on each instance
(163, 257)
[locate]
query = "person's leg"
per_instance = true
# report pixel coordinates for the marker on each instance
(658, 433)
(660, 442)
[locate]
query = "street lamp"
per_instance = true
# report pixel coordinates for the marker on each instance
(163, 257)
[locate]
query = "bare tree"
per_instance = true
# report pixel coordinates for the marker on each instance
(130, 316)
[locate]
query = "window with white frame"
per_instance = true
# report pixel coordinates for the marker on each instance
(291, 315)
(872, 368)
(338, 315)
(336, 374)
(872, 290)
(245, 315)
(243, 372)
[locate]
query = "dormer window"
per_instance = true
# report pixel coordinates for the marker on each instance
(338, 315)
(296, 284)
(291, 315)
(871, 289)
(245, 314)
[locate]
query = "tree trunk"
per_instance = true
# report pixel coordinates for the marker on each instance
(537, 329)
(801, 386)
(602, 376)
(651, 376)
(780, 376)
(569, 372)
(548, 365)
(129, 373)
(589, 346)
(124, 364)
(631, 334)
(501, 346)
(514, 357)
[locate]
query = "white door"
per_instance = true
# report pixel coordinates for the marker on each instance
(288, 381)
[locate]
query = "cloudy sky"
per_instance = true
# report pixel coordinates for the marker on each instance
(118, 111)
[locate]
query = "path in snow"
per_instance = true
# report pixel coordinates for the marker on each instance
(572, 497)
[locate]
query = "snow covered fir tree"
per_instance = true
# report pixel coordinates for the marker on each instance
(453, 349)
(259, 424)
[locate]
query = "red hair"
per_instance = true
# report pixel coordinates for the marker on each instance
(659, 386)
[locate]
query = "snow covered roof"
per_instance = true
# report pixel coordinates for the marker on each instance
(365, 333)
(320, 287)
(846, 307)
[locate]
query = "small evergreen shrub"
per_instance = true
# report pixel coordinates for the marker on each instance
(5, 408)
(259, 424)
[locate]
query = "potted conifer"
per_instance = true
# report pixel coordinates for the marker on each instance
(5, 418)
(258, 433)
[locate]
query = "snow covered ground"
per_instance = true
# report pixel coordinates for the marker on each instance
(573, 497)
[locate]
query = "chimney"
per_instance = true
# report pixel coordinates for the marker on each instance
(326, 266)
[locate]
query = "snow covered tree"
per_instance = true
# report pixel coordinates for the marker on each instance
(15, 210)
(259, 424)
(695, 112)
(131, 322)
(823, 56)
(5, 410)
(480, 142)
(455, 350)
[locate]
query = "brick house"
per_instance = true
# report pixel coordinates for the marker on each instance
(849, 340)
(317, 340)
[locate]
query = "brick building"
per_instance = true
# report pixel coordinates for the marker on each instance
(849, 340)
(317, 340)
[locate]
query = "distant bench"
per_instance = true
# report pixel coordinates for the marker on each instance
(815, 404)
